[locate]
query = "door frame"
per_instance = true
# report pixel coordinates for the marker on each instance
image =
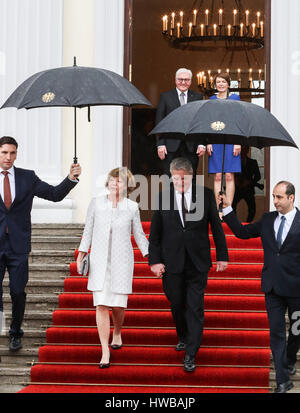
(127, 119)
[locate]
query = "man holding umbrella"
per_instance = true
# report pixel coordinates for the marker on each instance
(280, 234)
(18, 187)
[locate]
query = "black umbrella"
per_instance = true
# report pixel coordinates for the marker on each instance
(75, 86)
(224, 121)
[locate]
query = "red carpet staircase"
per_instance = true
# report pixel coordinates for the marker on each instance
(234, 356)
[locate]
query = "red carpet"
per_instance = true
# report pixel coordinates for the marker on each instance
(234, 356)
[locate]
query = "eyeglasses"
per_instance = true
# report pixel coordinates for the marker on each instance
(183, 80)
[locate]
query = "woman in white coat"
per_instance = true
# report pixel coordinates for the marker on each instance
(107, 233)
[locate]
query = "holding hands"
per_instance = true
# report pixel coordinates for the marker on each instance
(158, 269)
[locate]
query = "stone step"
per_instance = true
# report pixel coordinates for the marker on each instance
(11, 388)
(32, 319)
(63, 242)
(39, 286)
(19, 358)
(35, 302)
(14, 375)
(33, 337)
(49, 271)
(57, 229)
(51, 256)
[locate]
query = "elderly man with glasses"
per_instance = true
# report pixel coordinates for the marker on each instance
(169, 149)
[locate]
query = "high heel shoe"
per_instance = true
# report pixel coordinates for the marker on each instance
(105, 365)
(116, 346)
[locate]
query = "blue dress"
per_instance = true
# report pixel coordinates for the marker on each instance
(231, 163)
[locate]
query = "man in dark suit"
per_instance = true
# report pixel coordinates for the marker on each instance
(18, 187)
(168, 149)
(280, 234)
(245, 183)
(179, 250)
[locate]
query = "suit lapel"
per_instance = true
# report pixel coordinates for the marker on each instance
(295, 228)
(175, 97)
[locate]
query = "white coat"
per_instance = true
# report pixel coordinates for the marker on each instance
(96, 236)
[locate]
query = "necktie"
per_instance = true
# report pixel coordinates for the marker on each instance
(182, 100)
(279, 233)
(6, 190)
(183, 207)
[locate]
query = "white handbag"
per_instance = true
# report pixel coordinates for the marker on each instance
(84, 265)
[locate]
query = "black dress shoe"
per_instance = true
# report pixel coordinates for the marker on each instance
(284, 387)
(104, 365)
(292, 369)
(189, 363)
(180, 346)
(15, 343)
(116, 346)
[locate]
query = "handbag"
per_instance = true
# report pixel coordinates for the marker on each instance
(84, 265)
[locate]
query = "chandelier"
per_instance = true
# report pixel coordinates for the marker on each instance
(250, 83)
(200, 28)
(234, 30)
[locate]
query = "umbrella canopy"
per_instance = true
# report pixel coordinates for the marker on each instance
(224, 121)
(75, 86)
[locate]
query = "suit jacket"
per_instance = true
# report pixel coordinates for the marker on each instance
(167, 103)
(99, 224)
(281, 266)
(250, 172)
(18, 217)
(169, 240)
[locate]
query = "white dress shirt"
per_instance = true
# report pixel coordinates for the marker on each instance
(287, 225)
(188, 199)
(11, 177)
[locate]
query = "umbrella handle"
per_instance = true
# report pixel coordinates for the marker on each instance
(75, 159)
(221, 203)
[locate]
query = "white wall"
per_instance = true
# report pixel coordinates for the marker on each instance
(93, 32)
(37, 35)
(285, 89)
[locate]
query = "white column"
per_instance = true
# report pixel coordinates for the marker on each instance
(108, 120)
(31, 41)
(285, 89)
(93, 32)
(78, 40)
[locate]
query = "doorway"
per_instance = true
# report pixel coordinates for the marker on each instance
(151, 63)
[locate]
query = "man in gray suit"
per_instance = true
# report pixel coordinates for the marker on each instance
(169, 149)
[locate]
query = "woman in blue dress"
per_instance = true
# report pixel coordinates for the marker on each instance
(232, 160)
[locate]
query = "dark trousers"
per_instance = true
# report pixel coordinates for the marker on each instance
(185, 291)
(284, 351)
(181, 152)
(17, 267)
(248, 195)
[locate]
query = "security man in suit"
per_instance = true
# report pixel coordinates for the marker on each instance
(179, 251)
(245, 183)
(168, 149)
(18, 187)
(280, 234)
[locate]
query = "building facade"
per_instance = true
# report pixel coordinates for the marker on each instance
(42, 34)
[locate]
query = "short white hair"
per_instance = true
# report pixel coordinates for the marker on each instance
(183, 70)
